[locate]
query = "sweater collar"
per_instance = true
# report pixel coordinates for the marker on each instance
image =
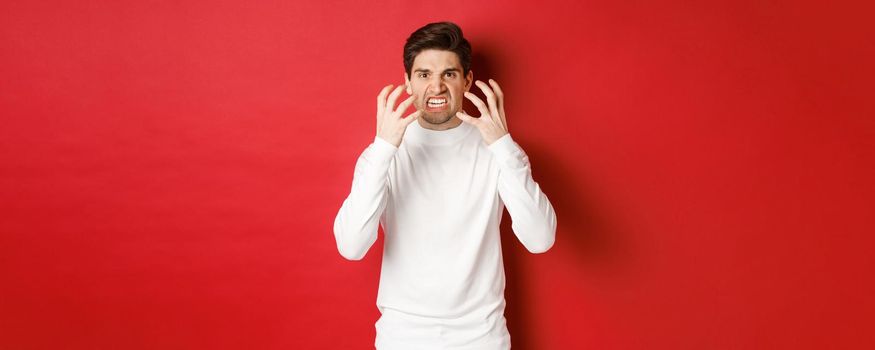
(418, 134)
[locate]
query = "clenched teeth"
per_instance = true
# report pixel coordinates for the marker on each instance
(437, 102)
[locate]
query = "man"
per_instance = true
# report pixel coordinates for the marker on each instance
(438, 181)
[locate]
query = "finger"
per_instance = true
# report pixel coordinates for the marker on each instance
(484, 112)
(381, 99)
(468, 119)
(404, 105)
(490, 98)
(499, 95)
(381, 105)
(410, 118)
(393, 97)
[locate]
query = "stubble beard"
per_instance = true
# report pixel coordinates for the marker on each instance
(437, 118)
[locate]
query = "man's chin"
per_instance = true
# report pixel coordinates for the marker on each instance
(437, 119)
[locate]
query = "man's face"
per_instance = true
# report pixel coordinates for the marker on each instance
(437, 85)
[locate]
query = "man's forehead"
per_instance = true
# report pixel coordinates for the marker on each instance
(436, 60)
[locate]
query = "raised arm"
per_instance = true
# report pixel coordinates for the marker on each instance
(533, 218)
(355, 227)
(532, 215)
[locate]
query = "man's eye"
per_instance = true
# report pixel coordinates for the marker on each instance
(422, 75)
(451, 74)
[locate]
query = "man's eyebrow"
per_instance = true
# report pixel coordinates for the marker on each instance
(417, 70)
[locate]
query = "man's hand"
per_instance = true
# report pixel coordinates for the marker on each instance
(390, 125)
(492, 123)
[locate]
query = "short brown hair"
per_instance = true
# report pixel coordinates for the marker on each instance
(439, 35)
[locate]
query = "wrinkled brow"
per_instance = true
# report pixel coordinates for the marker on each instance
(417, 70)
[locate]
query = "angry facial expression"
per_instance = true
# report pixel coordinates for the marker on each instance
(438, 86)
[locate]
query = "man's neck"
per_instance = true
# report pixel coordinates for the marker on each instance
(449, 124)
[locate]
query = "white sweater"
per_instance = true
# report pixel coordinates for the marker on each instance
(440, 196)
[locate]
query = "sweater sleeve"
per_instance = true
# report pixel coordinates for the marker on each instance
(355, 227)
(532, 215)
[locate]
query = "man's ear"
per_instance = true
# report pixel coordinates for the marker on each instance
(469, 79)
(407, 84)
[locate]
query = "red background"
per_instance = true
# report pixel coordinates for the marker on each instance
(170, 172)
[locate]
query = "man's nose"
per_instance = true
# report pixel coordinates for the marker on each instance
(435, 85)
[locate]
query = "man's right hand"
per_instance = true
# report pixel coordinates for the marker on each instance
(390, 125)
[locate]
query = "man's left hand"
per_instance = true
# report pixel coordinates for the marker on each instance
(492, 124)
